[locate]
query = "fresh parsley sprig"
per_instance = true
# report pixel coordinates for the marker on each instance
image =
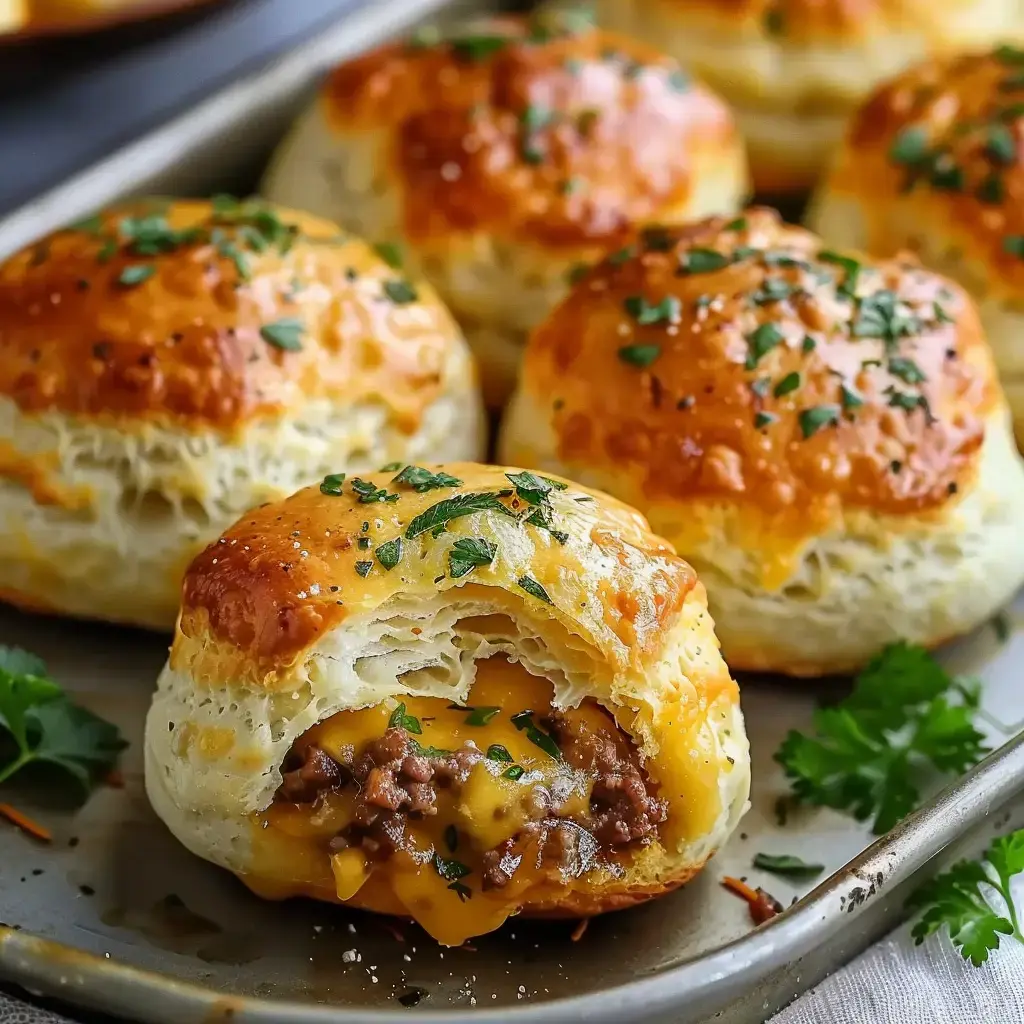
(906, 718)
(39, 725)
(956, 899)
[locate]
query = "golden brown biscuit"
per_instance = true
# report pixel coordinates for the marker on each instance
(822, 437)
(932, 163)
(504, 154)
(794, 70)
(165, 367)
(456, 695)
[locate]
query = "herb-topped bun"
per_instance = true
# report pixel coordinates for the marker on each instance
(933, 162)
(794, 70)
(822, 437)
(501, 156)
(165, 367)
(455, 695)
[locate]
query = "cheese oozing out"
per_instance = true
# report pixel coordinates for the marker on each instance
(436, 873)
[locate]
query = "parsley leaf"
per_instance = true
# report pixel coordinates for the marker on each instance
(955, 899)
(533, 489)
(438, 516)
(47, 727)
(534, 589)
(481, 716)
(422, 480)
(400, 719)
(787, 865)
(524, 722)
(906, 716)
(369, 493)
(469, 552)
(284, 334)
(389, 554)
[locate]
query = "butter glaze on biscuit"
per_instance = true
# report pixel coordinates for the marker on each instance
(822, 437)
(165, 366)
(505, 153)
(932, 163)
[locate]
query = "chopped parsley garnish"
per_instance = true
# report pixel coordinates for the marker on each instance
(956, 900)
(906, 369)
(541, 518)
(515, 772)
(135, 273)
(764, 419)
(1014, 245)
(850, 265)
(880, 316)
(849, 397)
(866, 753)
(577, 272)
(284, 334)
(40, 725)
(788, 384)
(400, 292)
(1000, 145)
(762, 341)
(702, 261)
(1000, 623)
(390, 253)
(363, 568)
(370, 493)
(816, 417)
(534, 589)
(535, 117)
(533, 489)
(449, 869)
(438, 516)
(910, 146)
(1008, 54)
(991, 190)
(645, 313)
(904, 400)
(496, 752)
(389, 554)
(481, 716)
(771, 291)
(640, 356)
(808, 345)
(478, 47)
(468, 553)
(451, 838)
(524, 722)
(422, 480)
(401, 719)
(787, 865)
(739, 224)
(621, 256)
(332, 484)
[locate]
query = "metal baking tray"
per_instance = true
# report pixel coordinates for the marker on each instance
(116, 916)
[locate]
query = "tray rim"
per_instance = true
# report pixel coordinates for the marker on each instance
(65, 972)
(155, 151)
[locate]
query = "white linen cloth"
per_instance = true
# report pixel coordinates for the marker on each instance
(896, 982)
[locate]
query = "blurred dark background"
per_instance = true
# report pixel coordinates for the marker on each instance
(67, 102)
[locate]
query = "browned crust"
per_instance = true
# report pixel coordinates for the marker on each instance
(184, 346)
(687, 425)
(563, 140)
(289, 571)
(969, 109)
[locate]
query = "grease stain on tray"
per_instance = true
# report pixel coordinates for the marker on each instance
(170, 924)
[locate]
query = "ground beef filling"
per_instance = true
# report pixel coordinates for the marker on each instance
(397, 780)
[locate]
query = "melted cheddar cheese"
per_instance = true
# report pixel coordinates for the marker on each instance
(425, 880)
